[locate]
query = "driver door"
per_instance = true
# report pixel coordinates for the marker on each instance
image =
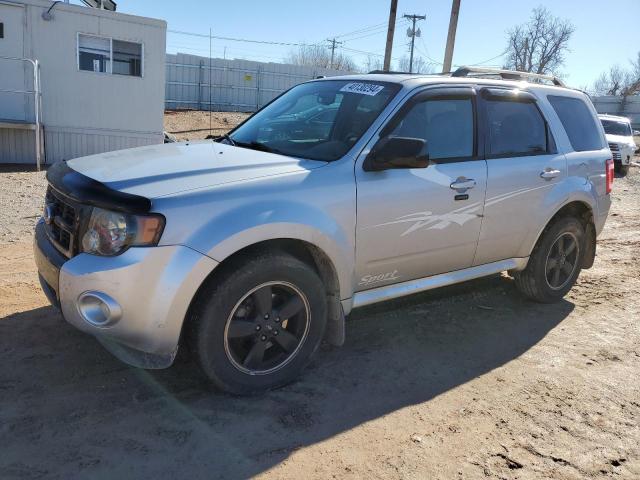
(418, 222)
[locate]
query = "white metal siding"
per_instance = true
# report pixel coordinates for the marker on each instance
(627, 107)
(87, 112)
(16, 146)
(235, 85)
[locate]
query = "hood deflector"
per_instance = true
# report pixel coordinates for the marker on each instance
(88, 191)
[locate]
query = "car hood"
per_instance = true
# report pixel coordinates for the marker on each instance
(160, 170)
(619, 139)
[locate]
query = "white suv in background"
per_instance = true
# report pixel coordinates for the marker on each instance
(620, 139)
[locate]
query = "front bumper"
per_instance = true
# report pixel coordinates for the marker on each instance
(152, 286)
(626, 154)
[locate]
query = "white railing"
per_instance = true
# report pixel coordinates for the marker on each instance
(37, 101)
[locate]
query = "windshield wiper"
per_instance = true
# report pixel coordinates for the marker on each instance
(227, 137)
(257, 146)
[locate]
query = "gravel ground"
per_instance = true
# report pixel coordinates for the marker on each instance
(21, 201)
(470, 381)
(180, 122)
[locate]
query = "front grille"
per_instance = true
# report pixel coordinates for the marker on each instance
(62, 219)
(615, 151)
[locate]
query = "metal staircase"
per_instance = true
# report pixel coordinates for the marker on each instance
(36, 92)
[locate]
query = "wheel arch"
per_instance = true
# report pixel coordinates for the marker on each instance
(583, 211)
(307, 253)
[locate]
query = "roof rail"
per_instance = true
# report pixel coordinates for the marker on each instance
(388, 72)
(506, 74)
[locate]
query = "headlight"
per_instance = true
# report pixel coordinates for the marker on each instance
(110, 233)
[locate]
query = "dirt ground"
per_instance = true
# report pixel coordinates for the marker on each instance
(469, 381)
(192, 125)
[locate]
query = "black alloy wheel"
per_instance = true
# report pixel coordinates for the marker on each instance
(266, 328)
(562, 260)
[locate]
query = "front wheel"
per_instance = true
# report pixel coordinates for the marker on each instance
(555, 262)
(257, 326)
(624, 170)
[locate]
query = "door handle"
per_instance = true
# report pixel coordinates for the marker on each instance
(463, 183)
(549, 173)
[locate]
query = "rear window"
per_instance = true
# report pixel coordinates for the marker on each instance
(515, 128)
(578, 122)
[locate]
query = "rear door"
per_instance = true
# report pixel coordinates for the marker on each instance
(523, 167)
(417, 222)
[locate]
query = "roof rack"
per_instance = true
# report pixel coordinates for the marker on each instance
(388, 72)
(505, 74)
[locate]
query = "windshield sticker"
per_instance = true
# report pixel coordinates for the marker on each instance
(362, 88)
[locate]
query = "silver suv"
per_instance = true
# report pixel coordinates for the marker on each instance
(342, 192)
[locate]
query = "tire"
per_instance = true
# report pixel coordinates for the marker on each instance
(624, 170)
(538, 280)
(229, 323)
(617, 166)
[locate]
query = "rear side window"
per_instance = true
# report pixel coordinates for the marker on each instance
(578, 122)
(515, 129)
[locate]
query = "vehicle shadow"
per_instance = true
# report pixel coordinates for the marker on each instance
(67, 408)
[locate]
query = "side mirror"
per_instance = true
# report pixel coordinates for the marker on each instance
(636, 132)
(397, 152)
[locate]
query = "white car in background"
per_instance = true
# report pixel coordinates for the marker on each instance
(620, 139)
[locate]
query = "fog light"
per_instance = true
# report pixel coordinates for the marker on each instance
(99, 309)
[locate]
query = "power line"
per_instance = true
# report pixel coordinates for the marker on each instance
(370, 30)
(362, 52)
(247, 40)
(363, 29)
(487, 61)
(426, 53)
(399, 23)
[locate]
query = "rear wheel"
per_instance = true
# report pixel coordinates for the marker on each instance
(256, 327)
(555, 262)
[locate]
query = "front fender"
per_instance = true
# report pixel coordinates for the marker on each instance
(250, 224)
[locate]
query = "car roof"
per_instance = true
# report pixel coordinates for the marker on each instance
(412, 80)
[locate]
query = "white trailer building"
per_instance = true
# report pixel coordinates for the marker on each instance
(78, 80)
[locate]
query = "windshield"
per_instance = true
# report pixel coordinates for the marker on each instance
(611, 127)
(317, 120)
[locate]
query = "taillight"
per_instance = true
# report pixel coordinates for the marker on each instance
(609, 173)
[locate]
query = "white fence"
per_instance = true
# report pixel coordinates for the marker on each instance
(626, 107)
(230, 85)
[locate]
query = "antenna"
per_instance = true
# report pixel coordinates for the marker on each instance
(210, 86)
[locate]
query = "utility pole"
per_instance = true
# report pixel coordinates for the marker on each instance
(413, 33)
(451, 36)
(333, 49)
(390, 31)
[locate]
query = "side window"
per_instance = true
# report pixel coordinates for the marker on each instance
(127, 58)
(515, 128)
(445, 124)
(578, 122)
(106, 55)
(94, 53)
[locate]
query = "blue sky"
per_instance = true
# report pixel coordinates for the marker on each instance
(605, 32)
